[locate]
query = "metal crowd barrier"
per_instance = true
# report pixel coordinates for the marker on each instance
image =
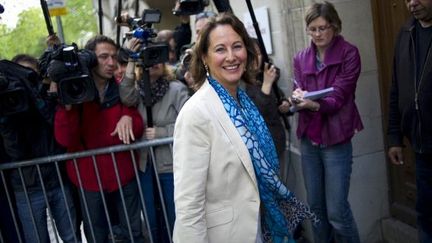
(59, 160)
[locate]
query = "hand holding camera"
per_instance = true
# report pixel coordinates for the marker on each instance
(189, 7)
(148, 52)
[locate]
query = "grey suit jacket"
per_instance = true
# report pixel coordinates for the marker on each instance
(215, 189)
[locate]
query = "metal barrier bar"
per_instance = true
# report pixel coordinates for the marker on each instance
(73, 225)
(63, 158)
(12, 211)
(29, 204)
(122, 196)
(160, 190)
(46, 203)
(88, 153)
(84, 200)
(142, 199)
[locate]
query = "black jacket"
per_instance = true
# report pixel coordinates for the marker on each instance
(29, 134)
(410, 113)
(268, 107)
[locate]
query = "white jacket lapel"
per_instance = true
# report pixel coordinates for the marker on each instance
(230, 130)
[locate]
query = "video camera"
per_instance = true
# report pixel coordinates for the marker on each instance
(190, 7)
(151, 53)
(18, 87)
(70, 69)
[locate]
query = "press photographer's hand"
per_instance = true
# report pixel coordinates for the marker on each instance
(134, 44)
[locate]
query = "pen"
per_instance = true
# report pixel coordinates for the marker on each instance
(296, 83)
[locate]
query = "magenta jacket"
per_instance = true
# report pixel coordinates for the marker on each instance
(340, 119)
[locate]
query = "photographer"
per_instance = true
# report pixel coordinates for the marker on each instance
(122, 60)
(167, 98)
(98, 123)
(264, 97)
(27, 61)
(182, 71)
(177, 38)
(26, 131)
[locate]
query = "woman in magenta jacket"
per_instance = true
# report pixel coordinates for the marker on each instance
(327, 125)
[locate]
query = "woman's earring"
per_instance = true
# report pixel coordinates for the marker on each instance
(207, 70)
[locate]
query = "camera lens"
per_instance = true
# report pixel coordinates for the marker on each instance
(75, 88)
(154, 54)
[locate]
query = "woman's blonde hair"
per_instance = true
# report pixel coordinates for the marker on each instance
(168, 72)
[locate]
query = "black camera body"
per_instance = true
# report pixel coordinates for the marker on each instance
(191, 7)
(154, 53)
(18, 88)
(151, 53)
(70, 69)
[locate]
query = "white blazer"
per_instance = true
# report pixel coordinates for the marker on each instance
(215, 189)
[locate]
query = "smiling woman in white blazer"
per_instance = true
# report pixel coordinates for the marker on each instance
(226, 175)
(216, 193)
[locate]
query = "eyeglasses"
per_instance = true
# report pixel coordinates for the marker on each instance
(319, 29)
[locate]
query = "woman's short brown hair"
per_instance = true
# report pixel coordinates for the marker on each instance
(202, 46)
(327, 11)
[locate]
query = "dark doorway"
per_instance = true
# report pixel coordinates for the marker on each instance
(388, 17)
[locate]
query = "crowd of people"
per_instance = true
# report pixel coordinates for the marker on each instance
(220, 181)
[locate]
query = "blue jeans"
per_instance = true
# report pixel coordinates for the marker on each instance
(65, 225)
(97, 218)
(327, 172)
(152, 202)
(7, 226)
(424, 196)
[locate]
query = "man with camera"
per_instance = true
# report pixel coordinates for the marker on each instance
(26, 132)
(101, 122)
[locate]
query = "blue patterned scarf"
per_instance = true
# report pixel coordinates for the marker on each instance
(282, 212)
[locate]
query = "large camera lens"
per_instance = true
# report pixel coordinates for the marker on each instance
(154, 54)
(76, 90)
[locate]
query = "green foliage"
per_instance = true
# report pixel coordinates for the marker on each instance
(80, 24)
(30, 32)
(28, 37)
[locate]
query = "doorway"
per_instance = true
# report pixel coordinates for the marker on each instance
(388, 17)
